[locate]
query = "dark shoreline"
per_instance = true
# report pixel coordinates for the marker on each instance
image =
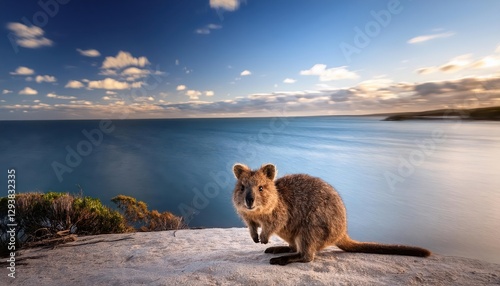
(486, 113)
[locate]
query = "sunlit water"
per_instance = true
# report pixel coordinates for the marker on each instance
(443, 194)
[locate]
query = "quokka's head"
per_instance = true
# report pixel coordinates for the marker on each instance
(255, 191)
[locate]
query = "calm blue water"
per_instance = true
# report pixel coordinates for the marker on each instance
(444, 196)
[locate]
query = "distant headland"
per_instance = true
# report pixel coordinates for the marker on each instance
(486, 113)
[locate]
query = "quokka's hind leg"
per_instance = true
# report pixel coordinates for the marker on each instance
(279, 249)
(306, 254)
(297, 257)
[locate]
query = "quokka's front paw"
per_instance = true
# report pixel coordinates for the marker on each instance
(255, 239)
(264, 240)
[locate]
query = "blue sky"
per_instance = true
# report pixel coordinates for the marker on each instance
(73, 59)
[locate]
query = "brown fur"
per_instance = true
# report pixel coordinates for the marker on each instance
(304, 211)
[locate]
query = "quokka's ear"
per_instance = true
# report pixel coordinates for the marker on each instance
(270, 171)
(239, 169)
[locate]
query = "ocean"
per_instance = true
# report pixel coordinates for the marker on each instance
(433, 184)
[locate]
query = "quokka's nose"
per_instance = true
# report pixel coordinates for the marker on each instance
(249, 199)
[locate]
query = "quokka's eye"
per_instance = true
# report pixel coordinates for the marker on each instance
(261, 189)
(242, 188)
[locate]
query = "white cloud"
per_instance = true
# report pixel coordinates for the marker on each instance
(229, 5)
(214, 26)
(45, 78)
(426, 70)
(74, 84)
(289, 80)
(487, 62)
(53, 95)
(425, 38)
(111, 92)
(81, 102)
(176, 62)
(193, 94)
(463, 62)
(6, 91)
(133, 73)
(28, 37)
(28, 91)
(209, 93)
(122, 60)
(109, 83)
(330, 74)
(144, 98)
(181, 87)
(375, 84)
(245, 73)
(89, 53)
(108, 72)
(202, 31)
(208, 29)
(456, 63)
(23, 71)
(136, 84)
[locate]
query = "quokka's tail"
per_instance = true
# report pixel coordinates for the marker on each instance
(350, 245)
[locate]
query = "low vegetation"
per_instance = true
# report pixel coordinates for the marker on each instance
(486, 113)
(136, 213)
(52, 218)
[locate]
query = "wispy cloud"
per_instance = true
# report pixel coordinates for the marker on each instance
(112, 84)
(28, 91)
(229, 5)
(193, 94)
(23, 71)
(122, 60)
(464, 62)
(133, 73)
(331, 74)
(28, 37)
(426, 38)
(6, 91)
(74, 84)
(89, 53)
(289, 80)
(208, 29)
(53, 95)
(245, 73)
(180, 87)
(45, 78)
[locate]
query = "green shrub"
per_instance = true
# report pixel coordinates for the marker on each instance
(44, 216)
(137, 213)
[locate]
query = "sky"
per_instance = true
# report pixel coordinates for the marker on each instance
(75, 59)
